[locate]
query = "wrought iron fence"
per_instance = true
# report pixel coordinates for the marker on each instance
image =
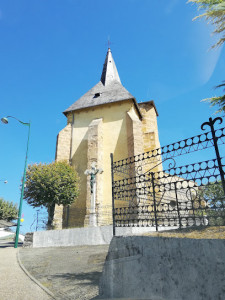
(190, 195)
(40, 220)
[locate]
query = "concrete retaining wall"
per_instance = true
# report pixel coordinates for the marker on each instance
(83, 236)
(164, 268)
(73, 237)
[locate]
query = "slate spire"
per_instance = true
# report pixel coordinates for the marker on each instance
(108, 90)
(109, 72)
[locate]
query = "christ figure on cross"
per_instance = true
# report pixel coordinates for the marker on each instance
(93, 172)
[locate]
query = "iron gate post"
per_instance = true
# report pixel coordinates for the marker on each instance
(153, 190)
(193, 208)
(178, 210)
(113, 205)
(211, 124)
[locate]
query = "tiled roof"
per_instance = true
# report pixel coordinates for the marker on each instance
(4, 224)
(101, 94)
(108, 90)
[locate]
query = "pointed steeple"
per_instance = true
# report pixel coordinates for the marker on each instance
(108, 90)
(109, 72)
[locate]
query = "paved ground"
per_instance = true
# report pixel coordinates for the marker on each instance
(69, 272)
(14, 283)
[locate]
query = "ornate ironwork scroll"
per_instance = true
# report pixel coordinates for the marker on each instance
(179, 196)
(122, 168)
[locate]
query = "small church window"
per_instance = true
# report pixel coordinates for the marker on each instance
(97, 95)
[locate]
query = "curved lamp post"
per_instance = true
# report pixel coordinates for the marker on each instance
(5, 121)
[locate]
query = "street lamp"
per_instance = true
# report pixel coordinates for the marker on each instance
(5, 121)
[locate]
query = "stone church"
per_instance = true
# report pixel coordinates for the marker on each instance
(106, 119)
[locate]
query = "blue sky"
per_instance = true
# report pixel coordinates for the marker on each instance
(52, 52)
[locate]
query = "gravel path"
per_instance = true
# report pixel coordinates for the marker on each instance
(68, 272)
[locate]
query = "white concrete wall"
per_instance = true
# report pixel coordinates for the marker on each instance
(4, 233)
(73, 237)
(83, 236)
(164, 268)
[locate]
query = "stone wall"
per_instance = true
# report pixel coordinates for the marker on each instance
(150, 131)
(91, 135)
(134, 134)
(83, 236)
(63, 144)
(97, 132)
(63, 150)
(28, 240)
(164, 268)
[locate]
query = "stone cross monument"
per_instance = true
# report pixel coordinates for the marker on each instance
(93, 172)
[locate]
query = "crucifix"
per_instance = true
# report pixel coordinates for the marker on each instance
(93, 172)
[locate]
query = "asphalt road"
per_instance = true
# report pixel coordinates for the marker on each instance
(14, 283)
(8, 243)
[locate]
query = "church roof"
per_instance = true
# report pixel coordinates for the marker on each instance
(5, 224)
(108, 90)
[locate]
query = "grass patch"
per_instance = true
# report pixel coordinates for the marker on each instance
(198, 232)
(48, 285)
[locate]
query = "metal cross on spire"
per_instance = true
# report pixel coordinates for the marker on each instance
(109, 43)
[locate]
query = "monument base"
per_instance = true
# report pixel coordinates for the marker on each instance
(90, 220)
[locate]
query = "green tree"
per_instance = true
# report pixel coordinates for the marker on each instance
(214, 13)
(213, 199)
(51, 184)
(213, 193)
(218, 101)
(8, 210)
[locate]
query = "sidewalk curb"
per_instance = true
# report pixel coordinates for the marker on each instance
(32, 278)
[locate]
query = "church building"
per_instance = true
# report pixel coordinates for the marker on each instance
(106, 119)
